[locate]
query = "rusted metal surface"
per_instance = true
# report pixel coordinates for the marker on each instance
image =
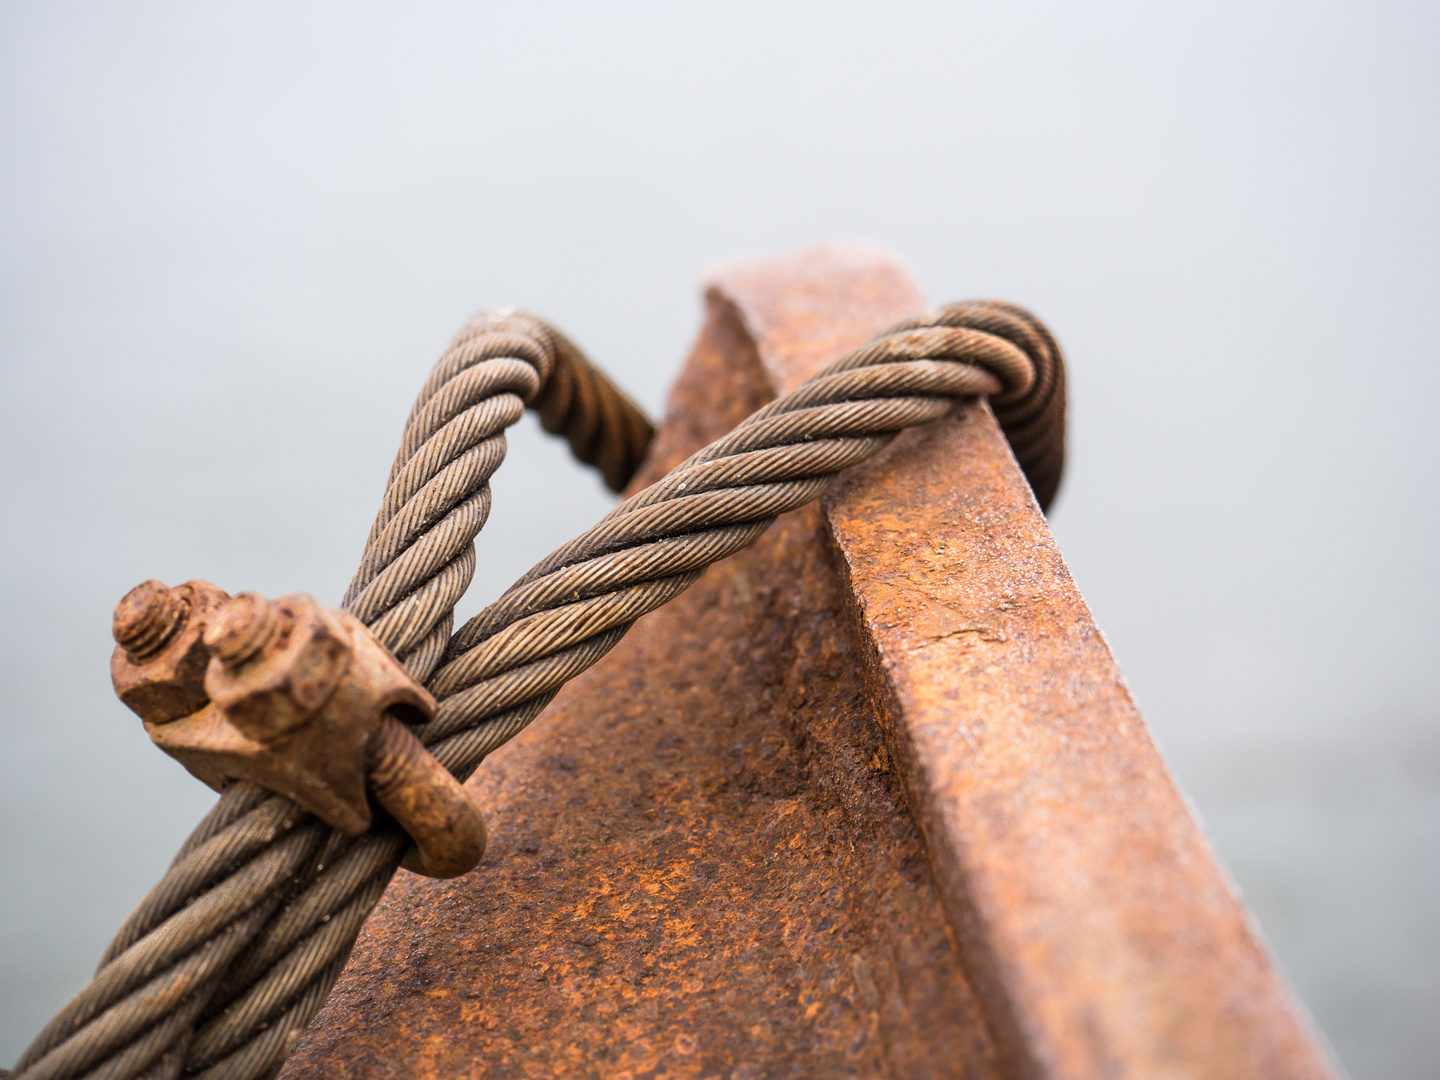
(1093, 917)
(705, 863)
(302, 700)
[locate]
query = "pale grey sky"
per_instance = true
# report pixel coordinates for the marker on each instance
(234, 237)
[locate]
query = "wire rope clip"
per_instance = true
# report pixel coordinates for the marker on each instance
(300, 699)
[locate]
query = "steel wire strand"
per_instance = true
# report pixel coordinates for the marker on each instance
(1034, 424)
(577, 403)
(672, 555)
(197, 921)
(289, 974)
(479, 714)
(155, 1001)
(352, 869)
(244, 797)
(263, 1053)
(97, 1021)
(419, 559)
(205, 863)
(544, 628)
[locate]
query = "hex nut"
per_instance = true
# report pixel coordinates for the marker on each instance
(158, 666)
(274, 664)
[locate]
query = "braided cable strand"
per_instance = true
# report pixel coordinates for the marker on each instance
(578, 403)
(500, 670)
(420, 556)
(251, 851)
(1033, 422)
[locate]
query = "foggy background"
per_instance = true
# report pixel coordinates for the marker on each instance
(233, 241)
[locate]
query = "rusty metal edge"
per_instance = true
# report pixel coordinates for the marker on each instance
(1049, 1020)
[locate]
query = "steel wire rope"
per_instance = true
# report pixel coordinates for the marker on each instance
(500, 670)
(418, 560)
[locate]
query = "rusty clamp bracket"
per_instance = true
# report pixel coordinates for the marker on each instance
(297, 698)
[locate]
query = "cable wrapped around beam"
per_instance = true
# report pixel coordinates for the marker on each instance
(223, 965)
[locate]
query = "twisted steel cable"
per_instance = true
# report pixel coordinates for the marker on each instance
(263, 904)
(420, 556)
(166, 969)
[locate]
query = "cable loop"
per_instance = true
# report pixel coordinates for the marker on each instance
(224, 964)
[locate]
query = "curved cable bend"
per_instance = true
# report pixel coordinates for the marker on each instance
(500, 670)
(231, 874)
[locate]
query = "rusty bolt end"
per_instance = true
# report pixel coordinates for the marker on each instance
(274, 664)
(158, 669)
(429, 803)
(147, 618)
(244, 627)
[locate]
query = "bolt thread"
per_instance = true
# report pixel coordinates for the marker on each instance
(244, 626)
(147, 618)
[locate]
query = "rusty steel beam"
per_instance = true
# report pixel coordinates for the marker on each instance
(704, 858)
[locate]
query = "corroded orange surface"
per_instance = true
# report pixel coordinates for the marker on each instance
(1102, 936)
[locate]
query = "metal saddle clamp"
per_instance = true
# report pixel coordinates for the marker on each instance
(299, 699)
